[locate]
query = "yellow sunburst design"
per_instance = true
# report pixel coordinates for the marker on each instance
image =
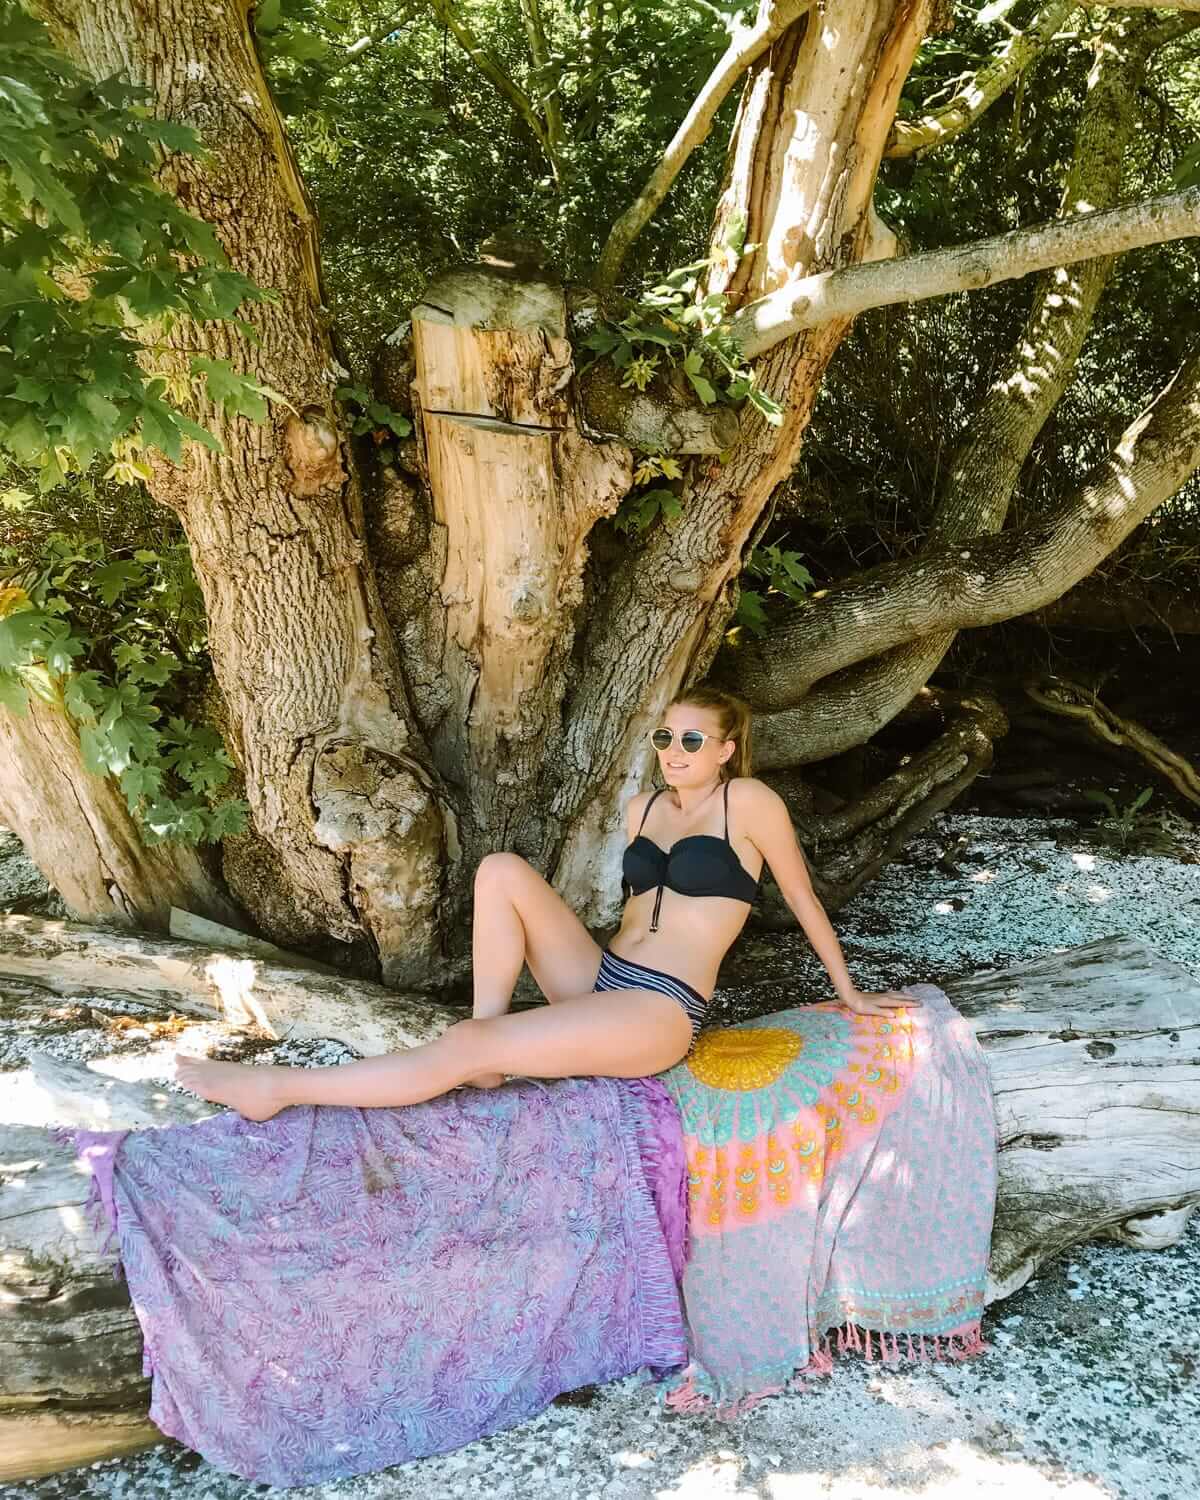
(728, 1059)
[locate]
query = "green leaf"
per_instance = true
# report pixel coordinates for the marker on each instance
(36, 183)
(13, 694)
(113, 579)
(83, 694)
(1187, 169)
(268, 15)
(228, 818)
(34, 391)
(703, 388)
(141, 780)
(236, 394)
(25, 438)
(159, 430)
(750, 612)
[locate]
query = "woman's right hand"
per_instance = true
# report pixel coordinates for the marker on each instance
(876, 1003)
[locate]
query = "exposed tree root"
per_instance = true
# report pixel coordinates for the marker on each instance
(1072, 700)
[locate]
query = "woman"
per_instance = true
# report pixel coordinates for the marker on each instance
(630, 1010)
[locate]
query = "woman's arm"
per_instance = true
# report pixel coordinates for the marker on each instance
(768, 825)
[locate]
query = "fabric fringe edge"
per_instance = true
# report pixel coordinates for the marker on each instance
(875, 1346)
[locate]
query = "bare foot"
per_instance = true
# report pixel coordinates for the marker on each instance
(485, 1081)
(253, 1091)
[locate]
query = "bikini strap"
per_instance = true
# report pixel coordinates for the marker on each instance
(649, 805)
(727, 813)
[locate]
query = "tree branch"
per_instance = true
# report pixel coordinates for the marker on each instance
(987, 85)
(496, 76)
(746, 46)
(991, 578)
(1141, 4)
(540, 52)
(979, 483)
(811, 301)
(380, 33)
(786, 669)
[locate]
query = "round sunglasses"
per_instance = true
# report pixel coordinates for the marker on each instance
(690, 740)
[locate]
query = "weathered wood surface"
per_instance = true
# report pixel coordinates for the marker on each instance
(38, 1443)
(211, 979)
(197, 929)
(1095, 1060)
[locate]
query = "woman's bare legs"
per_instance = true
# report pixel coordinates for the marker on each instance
(619, 1033)
(520, 918)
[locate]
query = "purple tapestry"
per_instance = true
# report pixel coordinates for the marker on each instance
(335, 1290)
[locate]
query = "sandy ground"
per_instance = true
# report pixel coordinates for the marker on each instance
(1092, 1385)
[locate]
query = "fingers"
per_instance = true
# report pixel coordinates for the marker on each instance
(885, 1003)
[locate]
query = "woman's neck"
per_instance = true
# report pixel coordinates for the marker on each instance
(688, 799)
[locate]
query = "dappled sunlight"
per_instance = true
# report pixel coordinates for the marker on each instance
(948, 1471)
(234, 980)
(70, 1217)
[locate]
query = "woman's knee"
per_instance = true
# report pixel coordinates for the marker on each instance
(501, 868)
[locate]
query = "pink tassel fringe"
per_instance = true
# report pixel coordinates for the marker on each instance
(964, 1343)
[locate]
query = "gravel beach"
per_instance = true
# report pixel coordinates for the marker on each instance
(1091, 1388)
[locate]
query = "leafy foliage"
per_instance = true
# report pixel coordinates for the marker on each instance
(97, 264)
(688, 327)
(115, 637)
(413, 158)
(374, 417)
(782, 573)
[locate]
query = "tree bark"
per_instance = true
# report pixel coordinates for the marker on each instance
(810, 301)
(1092, 1054)
(78, 831)
(813, 120)
(319, 722)
(747, 43)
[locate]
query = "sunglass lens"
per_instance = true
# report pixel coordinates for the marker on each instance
(661, 739)
(691, 740)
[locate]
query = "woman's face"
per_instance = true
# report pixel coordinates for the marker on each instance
(678, 766)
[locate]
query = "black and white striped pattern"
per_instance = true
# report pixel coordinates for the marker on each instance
(621, 974)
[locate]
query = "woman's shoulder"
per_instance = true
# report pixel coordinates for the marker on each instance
(750, 789)
(754, 797)
(638, 803)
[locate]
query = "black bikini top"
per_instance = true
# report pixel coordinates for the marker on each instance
(699, 865)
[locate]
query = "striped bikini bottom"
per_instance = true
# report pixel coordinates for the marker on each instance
(622, 974)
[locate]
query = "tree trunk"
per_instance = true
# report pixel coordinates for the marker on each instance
(79, 832)
(1097, 1090)
(814, 116)
(335, 772)
(424, 664)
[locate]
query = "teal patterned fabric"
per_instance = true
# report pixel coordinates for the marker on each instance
(842, 1180)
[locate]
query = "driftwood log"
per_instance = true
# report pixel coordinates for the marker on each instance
(1094, 1053)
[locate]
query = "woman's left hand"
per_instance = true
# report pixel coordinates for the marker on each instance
(882, 1003)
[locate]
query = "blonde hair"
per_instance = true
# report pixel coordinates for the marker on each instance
(734, 716)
